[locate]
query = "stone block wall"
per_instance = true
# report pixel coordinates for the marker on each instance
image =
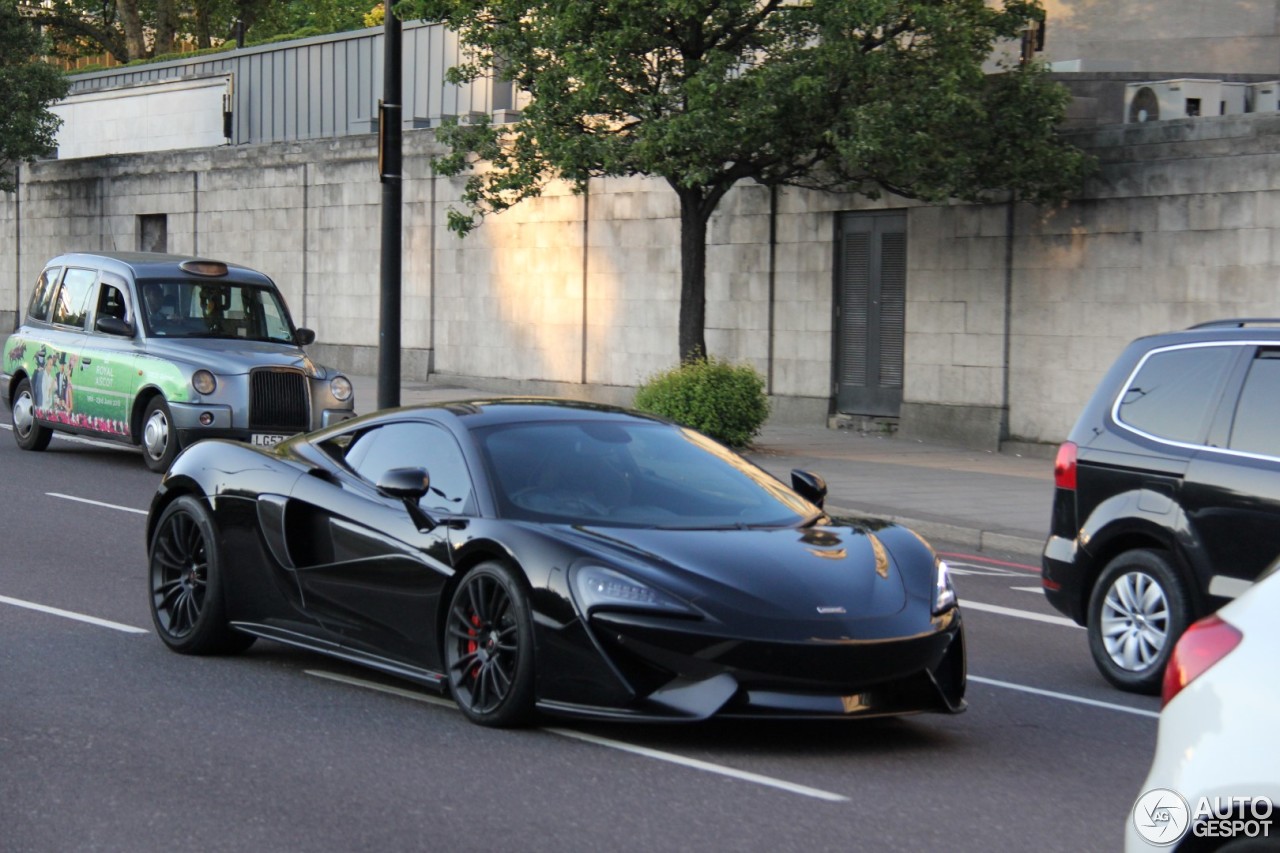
(579, 294)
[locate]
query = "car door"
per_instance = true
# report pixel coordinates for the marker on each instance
(369, 571)
(55, 380)
(107, 373)
(1232, 490)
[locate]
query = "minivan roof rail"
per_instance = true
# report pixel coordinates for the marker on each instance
(1238, 323)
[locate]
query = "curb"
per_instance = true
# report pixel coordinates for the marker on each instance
(969, 537)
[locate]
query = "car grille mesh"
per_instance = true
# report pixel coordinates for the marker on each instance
(278, 401)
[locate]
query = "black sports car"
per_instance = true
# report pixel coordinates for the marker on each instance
(571, 558)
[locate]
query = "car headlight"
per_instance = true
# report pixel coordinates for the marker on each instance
(598, 587)
(204, 382)
(944, 594)
(340, 388)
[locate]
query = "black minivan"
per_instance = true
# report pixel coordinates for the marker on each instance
(1167, 492)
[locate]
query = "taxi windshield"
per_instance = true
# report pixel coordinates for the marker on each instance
(214, 309)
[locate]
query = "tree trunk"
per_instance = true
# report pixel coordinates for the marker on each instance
(166, 27)
(693, 274)
(131, 20)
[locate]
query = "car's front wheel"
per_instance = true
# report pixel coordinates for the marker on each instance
(187, 604)
(29, 434)
(488, 647)
(159, 438)
(1138, 609)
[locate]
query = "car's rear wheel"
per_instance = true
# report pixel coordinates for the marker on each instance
(159, 438)
(29, 434)
(488, 647)
(187, 594)
(1138, 609)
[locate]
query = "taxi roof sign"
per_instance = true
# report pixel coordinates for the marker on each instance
(209, 268)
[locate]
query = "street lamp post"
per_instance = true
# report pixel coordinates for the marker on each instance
(389, 168)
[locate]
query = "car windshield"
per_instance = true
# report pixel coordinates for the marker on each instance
(620, 473)
(214, 309)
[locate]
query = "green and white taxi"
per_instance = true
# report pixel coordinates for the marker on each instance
(161, 351)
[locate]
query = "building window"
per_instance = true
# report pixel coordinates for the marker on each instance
(153, 232)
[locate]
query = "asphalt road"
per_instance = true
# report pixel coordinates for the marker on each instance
(110, 742)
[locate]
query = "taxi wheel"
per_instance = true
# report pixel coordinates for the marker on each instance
(159, 438)
(29, 434)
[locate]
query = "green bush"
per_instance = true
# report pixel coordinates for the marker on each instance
(725, 401)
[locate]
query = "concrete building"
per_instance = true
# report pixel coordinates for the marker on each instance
(979, 324)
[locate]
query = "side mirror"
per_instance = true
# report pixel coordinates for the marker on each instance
(114, 326)
(809, 486)
(305, 337)
(409, 485)
(405, 483)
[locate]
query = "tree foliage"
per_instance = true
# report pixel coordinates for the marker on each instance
(856, 96)
(140, 29)
(27, 88)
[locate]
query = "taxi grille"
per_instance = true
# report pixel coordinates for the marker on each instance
(278, 401)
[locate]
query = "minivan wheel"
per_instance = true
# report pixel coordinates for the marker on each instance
(1137, 611)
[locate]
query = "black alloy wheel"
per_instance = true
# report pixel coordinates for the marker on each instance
(186, 583)
(489, 647)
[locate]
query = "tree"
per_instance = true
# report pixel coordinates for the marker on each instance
(27, 88)
(837, 95)
(141, 29)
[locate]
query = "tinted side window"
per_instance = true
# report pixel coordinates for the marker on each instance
(71, 303)
(42, 297)
(1173, 393)
(1258, 412)
(414, 445)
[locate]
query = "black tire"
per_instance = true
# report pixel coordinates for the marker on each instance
(488, 646)
(159, 439)
(187, 601)
(29, 434)
(1137, 611)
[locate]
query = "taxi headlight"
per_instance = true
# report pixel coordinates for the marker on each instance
(203, 382)
(340, 388)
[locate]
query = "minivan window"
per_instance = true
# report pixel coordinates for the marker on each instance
(1174, 392)
(71, 303)
(1258, 412)
(42, 297)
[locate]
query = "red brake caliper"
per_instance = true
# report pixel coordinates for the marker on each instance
(472, 645)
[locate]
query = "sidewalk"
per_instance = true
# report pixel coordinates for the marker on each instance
(972, 498)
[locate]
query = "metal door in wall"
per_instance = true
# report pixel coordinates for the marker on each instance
(871, 308)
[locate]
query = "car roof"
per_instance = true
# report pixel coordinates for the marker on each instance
(143, 265)
(1232, 330)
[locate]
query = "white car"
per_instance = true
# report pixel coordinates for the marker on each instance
(1216, 772)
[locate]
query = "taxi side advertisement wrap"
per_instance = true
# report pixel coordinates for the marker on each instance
(67, 391)
(68, 388)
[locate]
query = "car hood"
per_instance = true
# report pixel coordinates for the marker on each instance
(227, 356)
(838, 573)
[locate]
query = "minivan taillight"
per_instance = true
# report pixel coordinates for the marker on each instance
(1201, 646)
(1064, 467)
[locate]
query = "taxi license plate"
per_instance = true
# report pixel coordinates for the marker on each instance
(266, 439)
